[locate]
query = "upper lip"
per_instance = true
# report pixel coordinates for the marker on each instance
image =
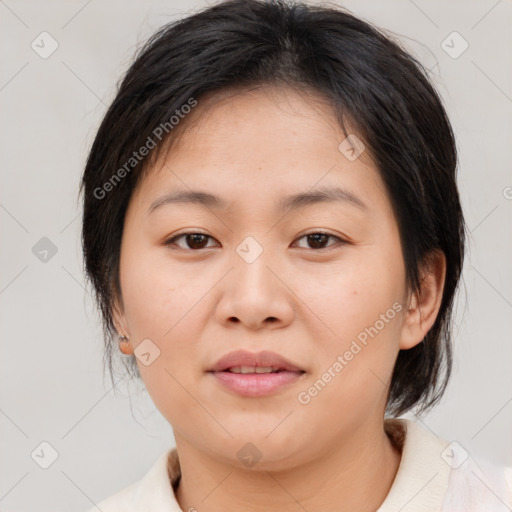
(244, 358)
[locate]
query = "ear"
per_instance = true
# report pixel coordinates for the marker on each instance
(424, 306)
(120, 324)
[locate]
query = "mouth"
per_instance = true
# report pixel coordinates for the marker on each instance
(255, 375)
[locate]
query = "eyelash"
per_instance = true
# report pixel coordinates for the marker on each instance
(172, 240)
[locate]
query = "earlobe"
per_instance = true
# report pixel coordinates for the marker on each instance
(125, 346)
(424, 305)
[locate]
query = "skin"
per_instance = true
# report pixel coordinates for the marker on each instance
(196, 305)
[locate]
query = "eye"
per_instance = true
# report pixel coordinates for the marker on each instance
(194, 240)
(317, 240)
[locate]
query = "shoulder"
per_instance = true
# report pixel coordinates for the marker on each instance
(153, 492)
(476, 484)
(122, 500)
(435, 474)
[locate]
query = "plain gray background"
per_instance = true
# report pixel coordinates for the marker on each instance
(52, 387)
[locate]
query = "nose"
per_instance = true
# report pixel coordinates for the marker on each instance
(256, 294)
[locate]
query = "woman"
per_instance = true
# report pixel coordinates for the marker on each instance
(273, 230)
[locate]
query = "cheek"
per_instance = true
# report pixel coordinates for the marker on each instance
(350, 295)
(168, 303)
(156, 295)
(353, 367)
(357, 313)
(160, 306)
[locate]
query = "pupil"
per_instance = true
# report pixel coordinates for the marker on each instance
(315, 238)
(195, 239)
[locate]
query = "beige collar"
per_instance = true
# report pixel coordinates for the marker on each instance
(422, 479)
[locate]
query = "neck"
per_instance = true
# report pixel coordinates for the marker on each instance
(357, 474)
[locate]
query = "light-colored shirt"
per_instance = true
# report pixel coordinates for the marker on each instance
(434, 476)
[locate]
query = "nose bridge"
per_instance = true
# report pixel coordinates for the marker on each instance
(251, 265)
(255, 294)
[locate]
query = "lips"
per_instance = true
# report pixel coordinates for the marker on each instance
(255, 375)
(243, 362)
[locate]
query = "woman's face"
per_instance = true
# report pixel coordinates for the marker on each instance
(332, 306)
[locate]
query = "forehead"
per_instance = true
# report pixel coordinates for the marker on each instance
(263, 121)
(263, 143)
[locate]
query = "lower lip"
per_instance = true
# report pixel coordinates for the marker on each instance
(256, 384)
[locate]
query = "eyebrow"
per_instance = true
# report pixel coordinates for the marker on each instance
(291, 202)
